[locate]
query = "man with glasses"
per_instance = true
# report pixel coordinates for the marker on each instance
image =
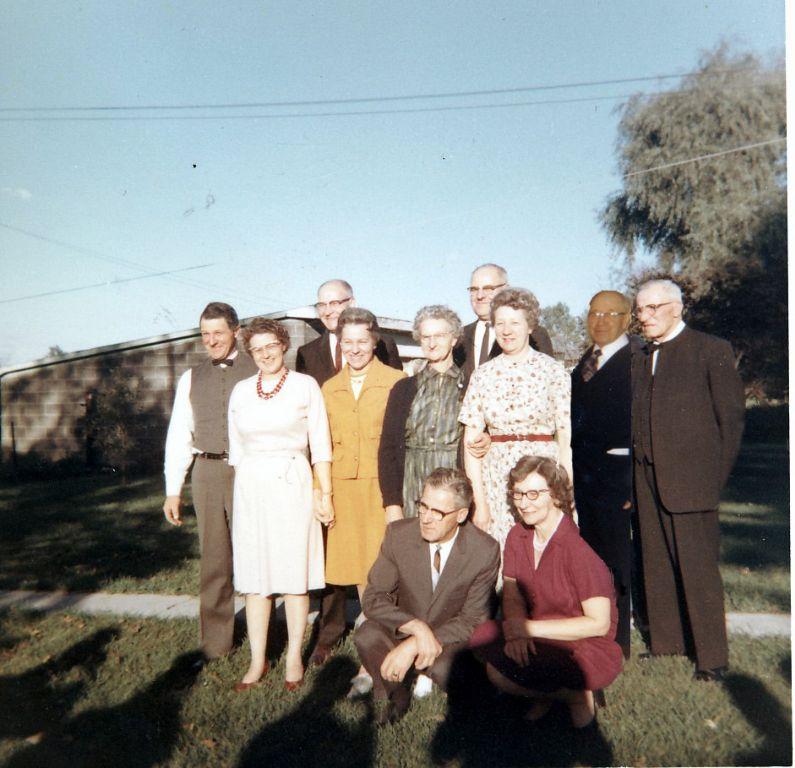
(478, 341)
(601, 403)
(429, 588)
(687, 420)
(322, 359)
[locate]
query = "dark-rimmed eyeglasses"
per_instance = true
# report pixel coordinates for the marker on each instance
(601, 315)
(650, 308)
(517, 496)
(322, 306)
(474, 289)
(435, 514)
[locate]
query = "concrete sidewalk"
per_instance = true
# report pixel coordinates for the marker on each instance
(185, 606)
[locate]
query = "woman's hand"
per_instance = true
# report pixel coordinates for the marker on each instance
(323, 507)
(519, 651)
(479, 445)
(481, 516)
(393, 512)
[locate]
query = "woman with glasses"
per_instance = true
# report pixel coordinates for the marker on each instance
(421, 429)
(522, 397)
(556, 642)
(277, 542)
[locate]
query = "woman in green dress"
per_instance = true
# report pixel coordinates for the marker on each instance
(421, 430)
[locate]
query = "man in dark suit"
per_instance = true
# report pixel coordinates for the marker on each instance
(687, 420)
(322, 359)
(478, 341)
(429, 588)
(601, 407)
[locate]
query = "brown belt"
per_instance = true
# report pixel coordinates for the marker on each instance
(522, 438)
(214, 456)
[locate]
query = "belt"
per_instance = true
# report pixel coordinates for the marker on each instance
(522, 438)
(213, 456)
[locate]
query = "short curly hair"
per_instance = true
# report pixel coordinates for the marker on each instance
(557, 478)
(265, 325)
(358, 316)
(437, 312)
(517, 298)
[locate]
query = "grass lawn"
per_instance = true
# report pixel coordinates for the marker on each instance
(91, 533)
(107, 692)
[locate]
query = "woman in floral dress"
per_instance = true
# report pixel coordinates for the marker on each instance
(522, 397)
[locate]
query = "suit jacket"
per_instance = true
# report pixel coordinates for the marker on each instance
(688, 418)
(601, 419)
(356, 424)
(399, 586)
(464, 352)
(315, 358)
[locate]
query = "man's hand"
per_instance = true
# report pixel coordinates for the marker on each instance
(519, 651)
(393, 512)
(171, 510)
(479, 445)
(516, 629)
(399, 660)
(428, 647)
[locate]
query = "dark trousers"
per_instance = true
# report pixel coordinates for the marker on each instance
(374, 642)
(684, 589)
(331, 617)
(608, 530)
(211, 484)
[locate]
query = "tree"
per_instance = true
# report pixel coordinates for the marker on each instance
(716, 225)
(567, 332)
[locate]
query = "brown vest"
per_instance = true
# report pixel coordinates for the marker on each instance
(210, 388)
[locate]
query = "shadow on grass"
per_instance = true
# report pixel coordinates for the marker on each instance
(767, 716)
(141, 731)
(81, 533)
(483, 728)
(312, 734)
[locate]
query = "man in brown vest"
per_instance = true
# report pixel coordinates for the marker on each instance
(198, 433)
(688, 408)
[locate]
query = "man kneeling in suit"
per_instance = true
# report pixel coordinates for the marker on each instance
(429, 588)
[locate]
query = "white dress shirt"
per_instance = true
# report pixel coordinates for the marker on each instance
(608, 350)
(332, 342)
(179, 440)
(444, 553)
(672, 335)
(480, 332)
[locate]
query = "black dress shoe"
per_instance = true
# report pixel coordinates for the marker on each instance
(714, 675)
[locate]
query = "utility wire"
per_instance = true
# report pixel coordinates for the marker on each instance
(368, 99)
(705, 157)
(100, 285)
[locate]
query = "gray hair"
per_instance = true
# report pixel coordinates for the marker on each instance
(437, 312)
(358, 316)
(503, 272)
(344, 284)
(519, 299)
(671, 290)
(453, 480)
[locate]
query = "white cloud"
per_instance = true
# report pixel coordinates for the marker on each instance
(19, 192)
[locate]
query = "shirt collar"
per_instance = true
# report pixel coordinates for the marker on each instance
(447, 545)
(680, 326)
(608, 350)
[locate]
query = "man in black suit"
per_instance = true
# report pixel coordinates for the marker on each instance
(688, 409)
(601, 426)
(478, 341)
(322, 359)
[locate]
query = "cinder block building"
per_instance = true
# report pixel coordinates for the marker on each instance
(44, 403)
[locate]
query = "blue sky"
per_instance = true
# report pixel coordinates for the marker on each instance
(402, 204)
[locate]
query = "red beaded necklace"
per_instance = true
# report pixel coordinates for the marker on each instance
(275, 391)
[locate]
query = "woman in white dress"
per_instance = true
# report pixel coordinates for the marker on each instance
(277, 542)
(523, 398)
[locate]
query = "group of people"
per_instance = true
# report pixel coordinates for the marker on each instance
(490, 468)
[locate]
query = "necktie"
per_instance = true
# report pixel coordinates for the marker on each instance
(591, 365)
(437, 559)
(485, 347)
(230, 361)
(338, 356)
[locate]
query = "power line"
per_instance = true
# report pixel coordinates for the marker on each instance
(100, 285)
(705, 157)
(369, 99)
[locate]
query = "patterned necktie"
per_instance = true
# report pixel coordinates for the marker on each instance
(437, 559)
(591, 365)
(338, 355)
(485, 347)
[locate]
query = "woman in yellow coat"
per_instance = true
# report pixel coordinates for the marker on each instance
(355, 402)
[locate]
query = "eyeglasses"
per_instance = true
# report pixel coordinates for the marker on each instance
(474, 289)
(517, 496)
(436, 514)
(269, 348)
(650, 308)
(434, 337)
(601, 315)
(323, 306)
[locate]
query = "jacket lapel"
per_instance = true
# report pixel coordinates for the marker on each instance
(423, 569)
(452, 568)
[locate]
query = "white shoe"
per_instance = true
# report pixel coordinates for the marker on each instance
(361, 685)
(423, 687)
